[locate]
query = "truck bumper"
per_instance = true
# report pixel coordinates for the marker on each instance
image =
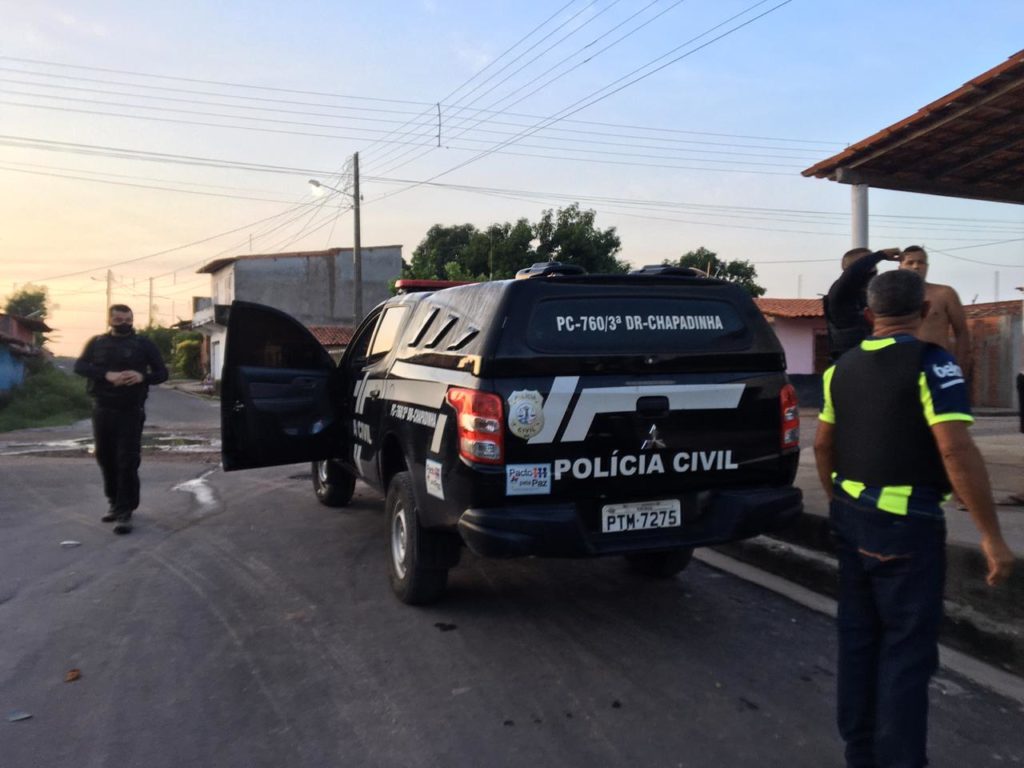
(573, 529)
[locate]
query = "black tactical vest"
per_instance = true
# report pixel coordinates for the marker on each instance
(881, 435)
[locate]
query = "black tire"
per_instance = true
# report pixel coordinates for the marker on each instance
(661, 565)
(416, 557)
(333, 485)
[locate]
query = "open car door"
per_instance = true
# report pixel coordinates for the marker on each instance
(279, 392)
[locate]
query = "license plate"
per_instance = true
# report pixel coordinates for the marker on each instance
(640, 516)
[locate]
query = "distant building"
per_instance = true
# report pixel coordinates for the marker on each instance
(996, 346)
(800, 326)
(314, 287)
(17, 343)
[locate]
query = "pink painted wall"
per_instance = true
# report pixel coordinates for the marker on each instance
(797, 337)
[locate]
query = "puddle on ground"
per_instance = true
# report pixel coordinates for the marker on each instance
(162, 443)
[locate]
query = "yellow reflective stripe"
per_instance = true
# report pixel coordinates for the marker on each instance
(852, 488)
(895, 498)
(873, 345)
(926, 398)
(952, 417)
(929, 406)
(828, 411)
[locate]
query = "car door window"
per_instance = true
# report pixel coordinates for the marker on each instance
(387, 332)
(359, 346)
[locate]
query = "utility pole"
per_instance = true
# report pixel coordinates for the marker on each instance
(357, 254)
(110, 286)
(151, 302)
(859, 223)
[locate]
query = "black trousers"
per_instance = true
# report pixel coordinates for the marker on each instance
(118, 436)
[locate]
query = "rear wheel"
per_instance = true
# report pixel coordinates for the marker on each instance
(661, 565)
(417, 558)
(333, 485)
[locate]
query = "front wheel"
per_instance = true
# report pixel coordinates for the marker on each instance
(416, 557)
(661, 565)
(332, 484)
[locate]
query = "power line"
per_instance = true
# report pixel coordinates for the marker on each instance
(489, 65)
(580, 105)
(165, 251)
(137, 185)
(443, 104)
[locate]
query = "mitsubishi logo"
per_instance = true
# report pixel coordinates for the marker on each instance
(653, 440)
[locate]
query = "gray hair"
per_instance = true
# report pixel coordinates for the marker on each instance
(896, 293)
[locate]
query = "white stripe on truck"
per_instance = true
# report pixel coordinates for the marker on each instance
(681, 397)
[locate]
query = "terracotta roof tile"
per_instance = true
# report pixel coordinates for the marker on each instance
(790, 308)
(332, 335)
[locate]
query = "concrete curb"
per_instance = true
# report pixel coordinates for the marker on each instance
(984, 622)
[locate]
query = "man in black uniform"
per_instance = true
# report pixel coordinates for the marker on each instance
(847, 299)
(120, 366)
(892, 440)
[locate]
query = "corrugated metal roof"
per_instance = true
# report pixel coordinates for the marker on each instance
(969, 143)
(790, 308)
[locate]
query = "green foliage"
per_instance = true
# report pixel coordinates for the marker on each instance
(30, 300)
(48, 398)
(167, 340)
(162, 337)
(570, 236)
(186, 359)
(463, 252)
(441, 246)
(740, 272)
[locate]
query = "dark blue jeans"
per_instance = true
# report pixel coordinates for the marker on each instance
(891, 576)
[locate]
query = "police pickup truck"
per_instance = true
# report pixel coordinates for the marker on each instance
(559, 415)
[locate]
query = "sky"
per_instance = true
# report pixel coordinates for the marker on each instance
(139, 141)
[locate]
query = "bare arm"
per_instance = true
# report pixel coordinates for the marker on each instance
(824, 453)
(966, 470)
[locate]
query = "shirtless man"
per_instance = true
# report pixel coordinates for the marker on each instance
(946, 313)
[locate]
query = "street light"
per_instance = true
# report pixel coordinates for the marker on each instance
(357, 255)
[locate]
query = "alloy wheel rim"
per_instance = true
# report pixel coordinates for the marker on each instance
(399, 541)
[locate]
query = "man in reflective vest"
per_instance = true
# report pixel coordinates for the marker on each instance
(892, 440)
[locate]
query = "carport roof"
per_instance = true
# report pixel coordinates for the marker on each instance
(969, 143)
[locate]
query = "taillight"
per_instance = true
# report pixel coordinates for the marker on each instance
(479, 419)
(790, 421)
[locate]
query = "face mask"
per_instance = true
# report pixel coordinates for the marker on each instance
(122, 330)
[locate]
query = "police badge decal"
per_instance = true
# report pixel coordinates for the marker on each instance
(525, 413)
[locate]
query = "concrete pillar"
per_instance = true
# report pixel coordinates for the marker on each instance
(859, 215)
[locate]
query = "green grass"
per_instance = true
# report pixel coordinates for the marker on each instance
(48, 398)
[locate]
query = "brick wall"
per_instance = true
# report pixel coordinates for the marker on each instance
(995, 344)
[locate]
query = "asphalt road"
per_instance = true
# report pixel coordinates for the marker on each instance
(242, 624)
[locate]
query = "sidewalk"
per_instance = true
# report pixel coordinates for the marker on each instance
(984, 622)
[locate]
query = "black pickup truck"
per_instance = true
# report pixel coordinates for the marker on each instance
(560, 415)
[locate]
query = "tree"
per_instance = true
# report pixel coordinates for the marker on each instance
(463, 252)
(570, 236)
(441, 246)
(169, 342)
(31, 301)
(741, 272)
